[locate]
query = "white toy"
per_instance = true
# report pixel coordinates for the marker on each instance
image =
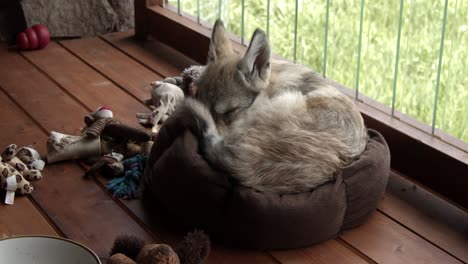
(166, 94)
(164, 97)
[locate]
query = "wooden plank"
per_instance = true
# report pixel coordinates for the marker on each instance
(129, 74)
(427, 215)
(219, 254)
(156, 56)
(141, 21)
(327, 252)
(86, 85)
(172, 29)
(385, 241)
(24, 83)
(22, 218)
(76, 205)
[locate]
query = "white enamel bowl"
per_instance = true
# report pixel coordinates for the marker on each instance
(45, 250)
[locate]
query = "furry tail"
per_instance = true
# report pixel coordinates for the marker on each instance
(128, 245)
(194, 249)
(211, 143)
(204, 126)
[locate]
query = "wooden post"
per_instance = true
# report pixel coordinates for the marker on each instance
(141, 16)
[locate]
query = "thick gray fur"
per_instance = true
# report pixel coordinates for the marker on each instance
(274, 126)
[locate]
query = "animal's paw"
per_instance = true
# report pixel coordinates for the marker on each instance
(156, 84)
(152, 118)
(9, 152)
(170, 80)
(32, 175)
(173, 80)
(143, 116)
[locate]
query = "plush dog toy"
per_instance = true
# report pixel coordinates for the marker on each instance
(164, 97)
(194, 249)
(166, 94)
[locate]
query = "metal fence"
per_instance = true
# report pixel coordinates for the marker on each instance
(409, 54)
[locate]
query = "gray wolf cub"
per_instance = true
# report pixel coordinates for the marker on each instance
(274, 126)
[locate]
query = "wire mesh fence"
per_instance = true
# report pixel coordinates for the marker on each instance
(410, 55)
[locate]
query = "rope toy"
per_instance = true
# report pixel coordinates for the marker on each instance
(126, 187)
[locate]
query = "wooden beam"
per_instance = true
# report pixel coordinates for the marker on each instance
(141, 16)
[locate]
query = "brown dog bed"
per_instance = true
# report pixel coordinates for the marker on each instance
(196, 195)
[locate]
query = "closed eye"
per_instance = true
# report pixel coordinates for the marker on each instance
(231, 111)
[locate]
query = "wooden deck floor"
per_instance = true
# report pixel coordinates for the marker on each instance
(52, 89)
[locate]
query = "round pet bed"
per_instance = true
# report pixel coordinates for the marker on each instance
(197, 196)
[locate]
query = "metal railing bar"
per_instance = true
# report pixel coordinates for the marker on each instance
(219, 8)
(450, 63)
(397, 56)
(295, 30)
(333, 35)
(198, 11)
(178, 7)
(366, 54)
(368, 39)
(439, 67)
(411, 11)
(358, 67)
(242, 23)
(268, 19)
(326, 40)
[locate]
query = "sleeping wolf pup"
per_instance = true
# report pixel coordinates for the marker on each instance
(274, 126)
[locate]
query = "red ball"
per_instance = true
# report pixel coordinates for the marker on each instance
(32, 37)
(42, 34)
(22, 41)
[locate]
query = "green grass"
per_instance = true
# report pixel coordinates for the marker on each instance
(419, 48)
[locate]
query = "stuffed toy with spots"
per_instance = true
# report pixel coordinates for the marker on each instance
(31, 158)
(194, 249)
(10, 156)
(13, 181)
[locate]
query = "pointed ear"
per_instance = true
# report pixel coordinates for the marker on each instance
(220, 45)
(257, 57)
